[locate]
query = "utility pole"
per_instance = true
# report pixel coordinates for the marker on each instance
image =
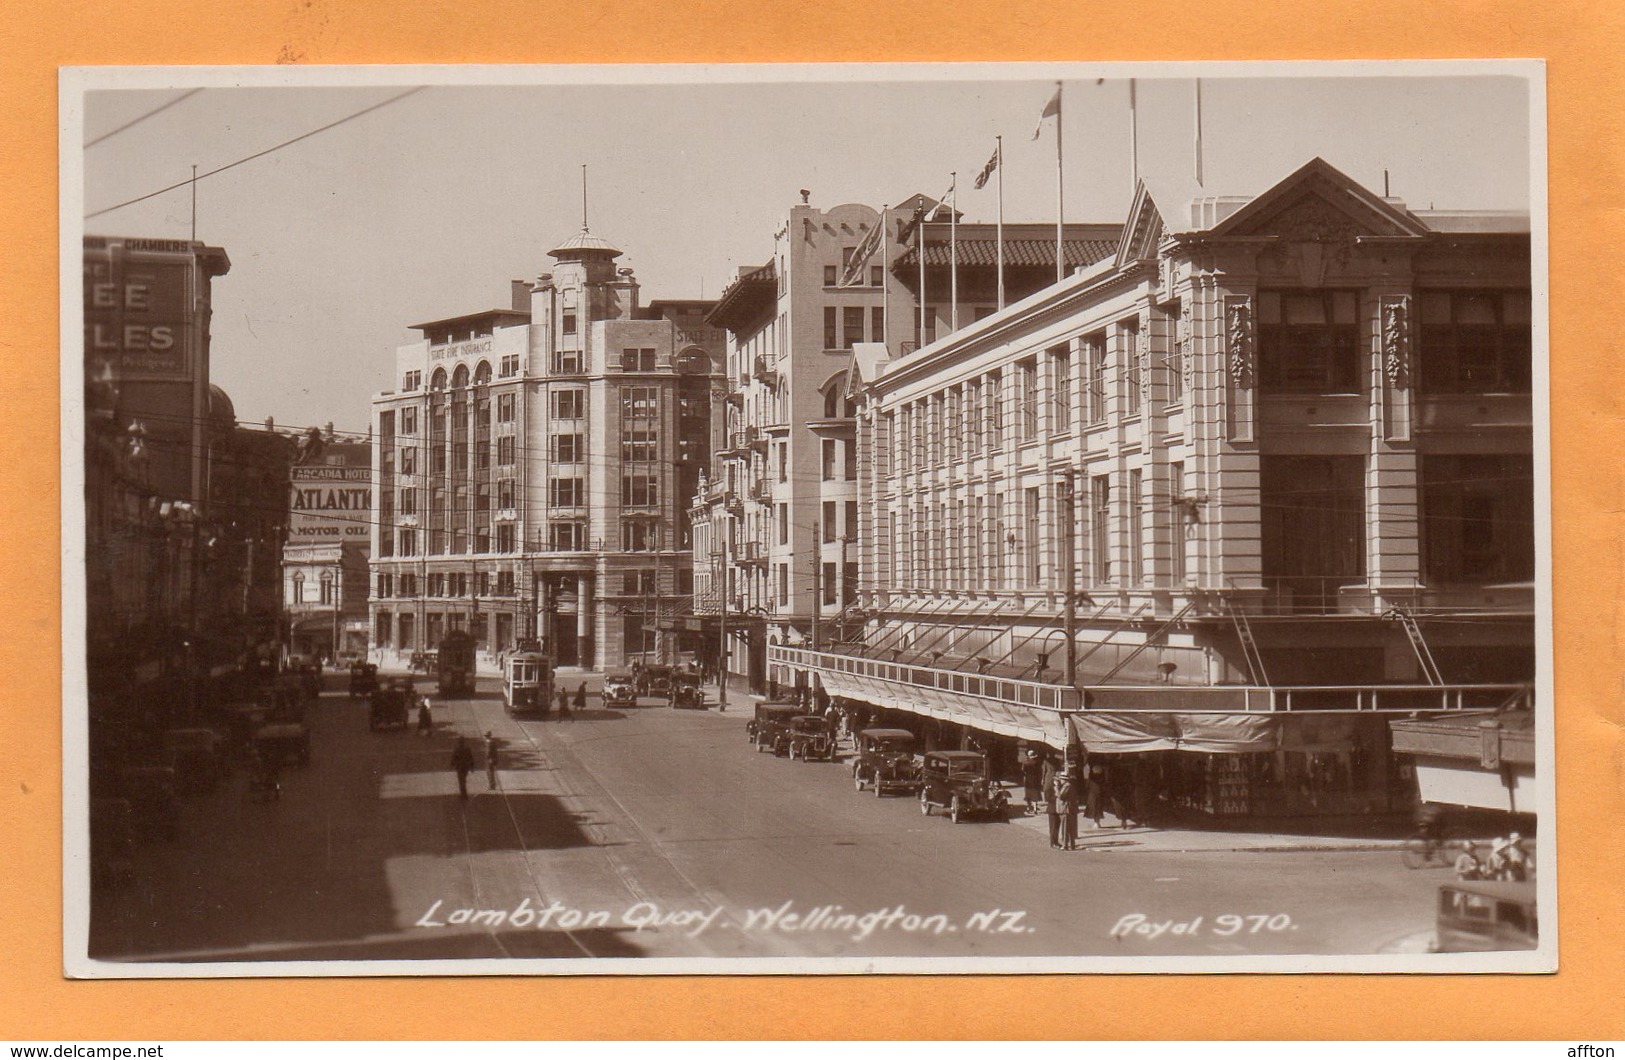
(817, 584)
(1068, 493)
(722, 630)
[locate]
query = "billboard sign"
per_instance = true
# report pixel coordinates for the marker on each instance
(329, 505)
(138, 306)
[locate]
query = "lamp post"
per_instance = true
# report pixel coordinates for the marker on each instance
(1067, 487)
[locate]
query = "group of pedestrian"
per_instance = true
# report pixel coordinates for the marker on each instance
(1072, 787)
(462, 763)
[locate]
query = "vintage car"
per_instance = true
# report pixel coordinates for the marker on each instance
(652, 679)
(812, 736)
(198, 758)
(363, 679)
(391, 705)
(958, 782)
(620, 690)
(769, 730)
(1483, 915)
(283, 742)
(686, 693)
(885, 761)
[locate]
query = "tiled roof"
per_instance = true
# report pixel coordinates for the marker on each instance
(1018, 253)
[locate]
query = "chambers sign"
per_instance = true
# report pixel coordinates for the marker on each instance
(330, 504)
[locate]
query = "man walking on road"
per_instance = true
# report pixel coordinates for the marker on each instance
(462, 760)
(581, 696)
(490, 762)
(564, 704)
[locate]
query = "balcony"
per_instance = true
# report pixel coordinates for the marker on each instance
(761, 492)
(736, 398)
(752, 553)
(733, 503)
(756, 439)
(764, 372)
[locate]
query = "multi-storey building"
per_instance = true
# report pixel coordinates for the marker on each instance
(777, 518)
(1260, 477)
(324, 556)
(530, 468)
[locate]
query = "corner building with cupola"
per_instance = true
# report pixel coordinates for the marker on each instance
(1214, 509)
(531, 468)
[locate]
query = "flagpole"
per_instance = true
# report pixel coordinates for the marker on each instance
(1198, 131)
(919, 255)
(1060, 190)
(953, 252)
(998, 238)
(1133, 137)
(885, 277)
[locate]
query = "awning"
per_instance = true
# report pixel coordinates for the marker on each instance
(1125, 733)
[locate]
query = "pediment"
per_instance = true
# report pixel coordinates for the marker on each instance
(1142, 235)
(1319, 204)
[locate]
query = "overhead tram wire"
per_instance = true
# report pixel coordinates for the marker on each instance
(137, 121)
(259, 154)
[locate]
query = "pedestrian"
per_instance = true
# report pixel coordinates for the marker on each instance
(462, 760)
(564, 705)
(1066, 790)
(1052, 797)
(1046, 777)
(1032, 779)
(425, 719)
(1092, 793)
(581, 696)
(490, 761)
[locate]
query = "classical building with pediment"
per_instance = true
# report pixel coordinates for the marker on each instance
(1245, 489)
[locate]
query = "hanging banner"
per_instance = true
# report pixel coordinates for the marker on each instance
(329, 505)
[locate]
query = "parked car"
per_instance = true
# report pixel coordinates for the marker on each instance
(652, 679)
(885, 761)
(811, 736)
(284, 742)
(198, 758)
(391, 706)
(769, 730)
(1483, 915)
(686, 693)
(363, 679)
(620, 690)
(958, 782)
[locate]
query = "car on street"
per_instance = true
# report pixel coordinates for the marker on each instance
(1476, 916)
(620, 690)
(363, 679)
(958, 781)
(885, 761)
(769, 729)
(652, 679)
(283, 742)
(686, 693)
(812, 736)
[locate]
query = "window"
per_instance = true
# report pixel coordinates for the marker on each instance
(569, 327)
(566, 362)
(784, 524)
(1308, 342)
(437, 381)
(505, 543)
(995, 412)
(567, 448)
(851, 326)
(1474, 342)
(437, 585)
(640, 491)
(1311, 528)
(1178, 523)
(828, 447)
(482, 373)
(1034, 529)
(509, 365)
(567, 536)
(784, 583)
(950, 427)
(1027, 381)
(637, 582)
(638, 446)
(851, 520)
(832, 401)
(877, 278)
(638, 535)
(973, 417)
(830, 587)
(1173, 363)
(1134, 527)
(406, 538)
(1060, 389)
(1095, 352)
(505, 447)
(412, 381)
(409, 460)
(784, 461)
(298, 589)
(505, 493)
(386, 586)
(1100, 496)
(640, 402)
(831, 275)
(849, 463)
(569, 404)
(1478, 519)
(409, 420)
(505, 580)
(566, 493)
(409, 501)
(505, 408)
(639, 360)
(829, 528)
(830, 340)
(1129, 344)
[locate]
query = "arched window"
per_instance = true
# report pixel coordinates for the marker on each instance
(298, 588)
(459, 378)
(835, 403)
(438, 380)
(482, 373)
(327, 588)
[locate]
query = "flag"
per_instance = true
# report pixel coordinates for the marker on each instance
(1052, 108)
(987, 170)
(906, 232)
(853, 277)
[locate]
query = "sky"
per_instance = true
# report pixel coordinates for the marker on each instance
(426, 207)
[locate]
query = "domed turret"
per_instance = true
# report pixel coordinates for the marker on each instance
(584, 246)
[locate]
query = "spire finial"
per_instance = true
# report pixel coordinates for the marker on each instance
(583, 196)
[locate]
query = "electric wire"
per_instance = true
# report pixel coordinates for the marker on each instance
(137, 121)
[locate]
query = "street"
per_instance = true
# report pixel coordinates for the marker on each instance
(662, 833)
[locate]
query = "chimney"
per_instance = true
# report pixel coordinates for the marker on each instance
(520, 294)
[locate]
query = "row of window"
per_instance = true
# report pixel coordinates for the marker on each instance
(459, 378)
(843, 325)
(638, 534)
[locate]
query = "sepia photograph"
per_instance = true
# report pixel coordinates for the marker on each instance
(832, 519)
